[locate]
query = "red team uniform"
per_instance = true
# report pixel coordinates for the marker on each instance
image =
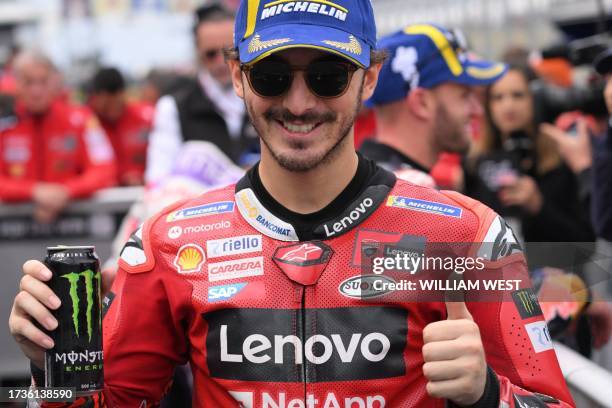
(64, 145)
(130, 136)
(260, 302)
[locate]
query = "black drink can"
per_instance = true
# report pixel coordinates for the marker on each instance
(76, 360)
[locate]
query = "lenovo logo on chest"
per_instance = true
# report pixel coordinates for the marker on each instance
(312, 345)
(352, 217)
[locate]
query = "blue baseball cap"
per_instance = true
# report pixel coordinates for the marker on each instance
(426, 55)
(343, 27)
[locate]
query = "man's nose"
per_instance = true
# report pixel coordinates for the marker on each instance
(299, 99)
(476, 108)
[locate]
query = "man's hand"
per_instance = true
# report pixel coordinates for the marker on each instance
(524, 192)
(454, 357)
(33, 303)
(49, 199)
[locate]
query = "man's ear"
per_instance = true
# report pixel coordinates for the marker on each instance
(234, 66)
(370, 80)
(422, 103)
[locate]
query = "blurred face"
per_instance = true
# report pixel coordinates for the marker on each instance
(457, 105)
(211, 38)
(108, 106)
(36, 84)
(511, 103)
(300, 130)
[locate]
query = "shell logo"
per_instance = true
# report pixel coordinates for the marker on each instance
(189, 259)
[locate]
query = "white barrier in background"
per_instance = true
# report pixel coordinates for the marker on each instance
(584, 376)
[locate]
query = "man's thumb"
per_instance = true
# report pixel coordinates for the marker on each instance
(457, 310)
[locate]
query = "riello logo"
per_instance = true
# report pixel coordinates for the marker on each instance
(75, 279)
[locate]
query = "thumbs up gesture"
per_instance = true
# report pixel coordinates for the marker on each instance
(455, 364)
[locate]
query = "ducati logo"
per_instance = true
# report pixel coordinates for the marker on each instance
(304, 262)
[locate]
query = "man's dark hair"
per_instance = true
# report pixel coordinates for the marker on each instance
(212, 11)
(107, 79)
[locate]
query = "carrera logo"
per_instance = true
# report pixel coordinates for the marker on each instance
(303, 263)
(189, 259)
(363, 286)
(336, 344)
(235, 269)
(233, 246)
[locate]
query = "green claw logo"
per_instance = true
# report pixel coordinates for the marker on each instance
(74, 279)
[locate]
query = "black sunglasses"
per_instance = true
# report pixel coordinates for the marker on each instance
(326, 78)
(211, 53)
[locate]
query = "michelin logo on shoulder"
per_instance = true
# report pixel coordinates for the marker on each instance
(431, 207)
(201, 211)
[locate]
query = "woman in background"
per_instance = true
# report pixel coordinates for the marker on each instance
(516, 167)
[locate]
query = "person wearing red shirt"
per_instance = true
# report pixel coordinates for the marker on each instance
(50, 152)
(127, 124)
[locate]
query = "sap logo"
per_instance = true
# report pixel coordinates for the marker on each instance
(352, 217)
(224, 292)
(233, 246)
(373, 347)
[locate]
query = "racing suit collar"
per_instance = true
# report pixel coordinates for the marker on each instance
(360, 198)
(391, 157)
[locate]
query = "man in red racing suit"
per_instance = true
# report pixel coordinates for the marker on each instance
(265, 286)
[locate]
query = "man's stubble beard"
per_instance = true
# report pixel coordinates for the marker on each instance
(292, 163)
(449, 135)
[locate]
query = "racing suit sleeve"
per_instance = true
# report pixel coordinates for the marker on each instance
(165, 141)
(98, 161)
(144, 329)
(518, 347)
(12, 190)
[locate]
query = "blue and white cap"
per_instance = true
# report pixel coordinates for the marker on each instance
(426, 55)
(344, 27)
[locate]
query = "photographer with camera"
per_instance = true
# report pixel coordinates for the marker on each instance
(519, 171)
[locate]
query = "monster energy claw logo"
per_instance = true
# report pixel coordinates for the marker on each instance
(74, 279)
(526, 303)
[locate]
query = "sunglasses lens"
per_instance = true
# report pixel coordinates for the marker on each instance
(328, 79)
(270, 78)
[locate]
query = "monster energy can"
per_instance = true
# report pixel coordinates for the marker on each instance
(76, 359)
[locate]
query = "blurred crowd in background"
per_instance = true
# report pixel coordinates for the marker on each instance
(539, 154)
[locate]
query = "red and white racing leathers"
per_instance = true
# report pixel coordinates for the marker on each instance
(268, 319)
